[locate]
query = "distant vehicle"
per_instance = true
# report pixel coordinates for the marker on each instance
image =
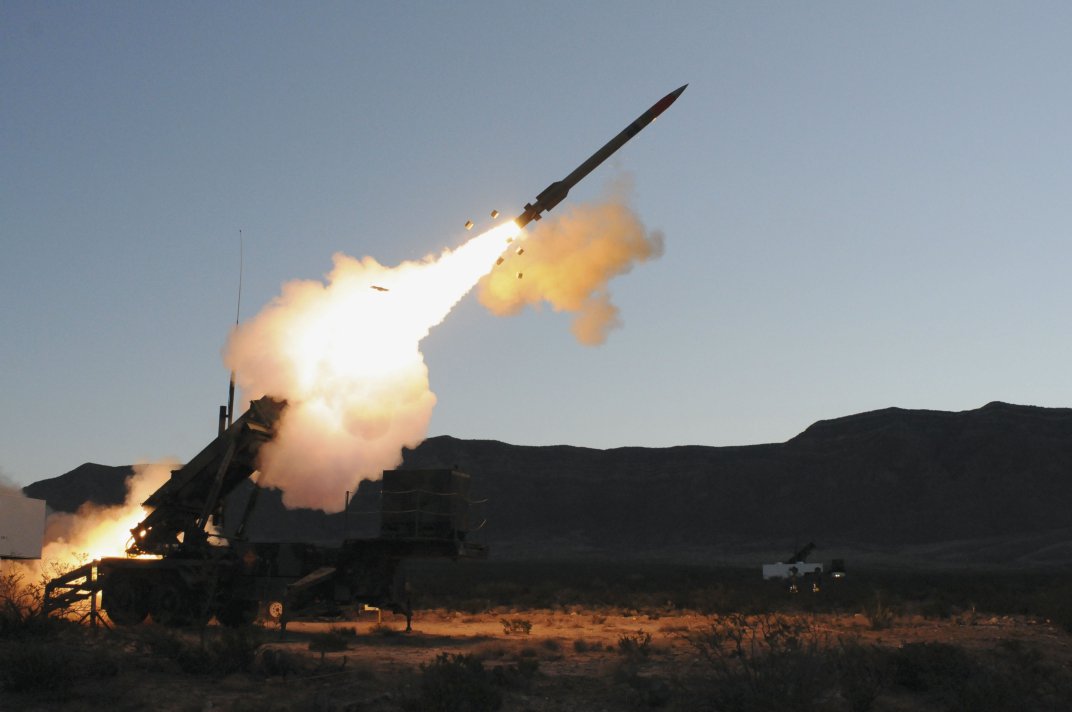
(796, 568)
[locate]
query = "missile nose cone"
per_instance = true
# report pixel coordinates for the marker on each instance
(664, 103)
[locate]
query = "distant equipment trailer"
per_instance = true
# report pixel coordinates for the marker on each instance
(179, 571)
(22, 527)
(798, 568)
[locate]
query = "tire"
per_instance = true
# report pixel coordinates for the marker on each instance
(124, 597)
(170, 604)
(236, 613)
(273, 611)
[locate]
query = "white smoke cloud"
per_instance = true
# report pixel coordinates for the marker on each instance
(100, 530)
(96, 531)
(568, 261)
(345, 354)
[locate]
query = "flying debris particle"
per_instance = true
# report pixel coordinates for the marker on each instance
(521, 250)
(494, 214)
(468, 224)
(499, 261)
(509, 240)
(519, 275)
(380, 289)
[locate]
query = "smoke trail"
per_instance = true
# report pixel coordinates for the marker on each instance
(345, 352)
(568, 261)
(345, 355)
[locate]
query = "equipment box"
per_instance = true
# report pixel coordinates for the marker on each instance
(22, 527)
(425, 504)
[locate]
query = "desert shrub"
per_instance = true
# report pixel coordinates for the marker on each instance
(157, 640)
(764, 663)
(232, 650)
(516, 626)
(344, 631)
(36, 667)
(598, 619)
(277, 663)
(635, 646)
(937, 605)
(21, 611)
(236, 649)
(516, 676)
(928, 667)
(330, 642)
(862, 672)
(652, 690)
(551, 644)
(53, 668)
(1016, 677)
(583, 646)
(456, 683)
(879, 615)
(1029, 678)
(1054, 603)
(492, 651)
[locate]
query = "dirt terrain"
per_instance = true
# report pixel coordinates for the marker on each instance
(576, 658)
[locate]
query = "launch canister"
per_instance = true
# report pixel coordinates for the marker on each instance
(557, 191)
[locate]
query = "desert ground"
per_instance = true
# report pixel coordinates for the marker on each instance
(803, 652)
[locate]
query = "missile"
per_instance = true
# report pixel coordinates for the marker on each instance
(557, 191)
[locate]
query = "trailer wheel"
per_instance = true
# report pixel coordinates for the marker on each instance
(169, 604)
(124, 598)
(274, 611)
(236, 613)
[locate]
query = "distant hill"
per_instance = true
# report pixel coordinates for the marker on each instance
(989, 486)
(100, 484)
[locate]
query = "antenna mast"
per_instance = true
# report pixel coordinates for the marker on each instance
(227, 411)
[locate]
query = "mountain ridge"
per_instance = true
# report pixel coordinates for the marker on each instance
(893, 479)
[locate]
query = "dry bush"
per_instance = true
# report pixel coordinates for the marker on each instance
(863, 672)
(516, 626)
(879, 615)
(491, 651)
(54, 668)
(765, 662)
(328, 642)
(218, 652)
(635, 646)
(583, 646)
(1013, 676)
(455, 683)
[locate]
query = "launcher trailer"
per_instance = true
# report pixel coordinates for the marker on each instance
(181, 569)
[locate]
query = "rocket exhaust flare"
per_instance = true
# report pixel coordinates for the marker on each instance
(554, 194)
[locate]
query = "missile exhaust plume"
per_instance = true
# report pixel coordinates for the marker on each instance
(97, 531)
(568, 261)
(345, 355)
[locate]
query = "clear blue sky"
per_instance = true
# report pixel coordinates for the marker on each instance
(865, 205)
